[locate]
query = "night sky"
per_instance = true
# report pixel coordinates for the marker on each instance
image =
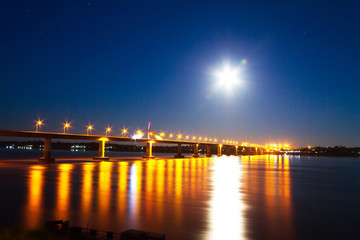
(124, 63)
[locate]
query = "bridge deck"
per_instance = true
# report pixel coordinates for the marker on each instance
(52, 135)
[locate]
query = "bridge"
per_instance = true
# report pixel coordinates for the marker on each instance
(150, 139)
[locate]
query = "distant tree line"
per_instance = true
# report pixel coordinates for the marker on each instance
(329, 151)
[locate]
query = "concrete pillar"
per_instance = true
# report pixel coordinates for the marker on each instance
(247, 151)
(149, 150)
(179, 151)
(227, 151)
(47, 152)
(208, 151)
(219, 150)
(101, 151)
(196, 150)
(236, 150)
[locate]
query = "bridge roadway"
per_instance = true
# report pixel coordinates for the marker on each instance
(47, 136)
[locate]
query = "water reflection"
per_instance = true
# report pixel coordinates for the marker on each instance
(196, 198)
(226, 218)
(35, 196)
(268, 186)
(87, 188)
(104, 190)
(63, 191)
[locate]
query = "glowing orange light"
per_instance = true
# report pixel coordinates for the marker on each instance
(138, 132)
(179, 136)
(187, 137)
(194, 137)
(206, 139)
(38, 124)
(215, 140)
(171, 135)
(89, 128)
(162, 134)
(108, 129)
(66, 126)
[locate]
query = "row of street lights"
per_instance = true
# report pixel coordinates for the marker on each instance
(124, 132)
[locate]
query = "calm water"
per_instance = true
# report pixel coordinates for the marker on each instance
(256, 197)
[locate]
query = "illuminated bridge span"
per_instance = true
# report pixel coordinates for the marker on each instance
(148, 137)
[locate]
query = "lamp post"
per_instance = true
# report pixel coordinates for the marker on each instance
(179, 136)
(108, 129)
(124, 131)
(89, 128)
(66, 126)
(38, 124)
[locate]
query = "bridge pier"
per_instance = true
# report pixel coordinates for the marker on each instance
(227, 152)
(46, 158)
(179, 151)
(208, 151)
(101, 151)
(149, 150)
(219, 150)
(196, 151)
(245, 151)
(236, 150)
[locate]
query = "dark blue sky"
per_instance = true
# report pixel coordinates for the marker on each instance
(129, 62)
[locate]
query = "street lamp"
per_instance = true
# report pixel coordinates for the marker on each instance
(108, 129)
(124, 131)
(38, 124)
(89, 128)
(66, 126)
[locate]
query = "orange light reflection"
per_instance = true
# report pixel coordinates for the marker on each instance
(33, 210)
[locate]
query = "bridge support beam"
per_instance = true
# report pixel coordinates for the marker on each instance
(101, 152)
(208, 151)
(236, 150)
(179, 151)
(46, 158)
(219, 150)
(149, 150)
(196, 151)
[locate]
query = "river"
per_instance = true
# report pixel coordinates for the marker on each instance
(244, 197)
